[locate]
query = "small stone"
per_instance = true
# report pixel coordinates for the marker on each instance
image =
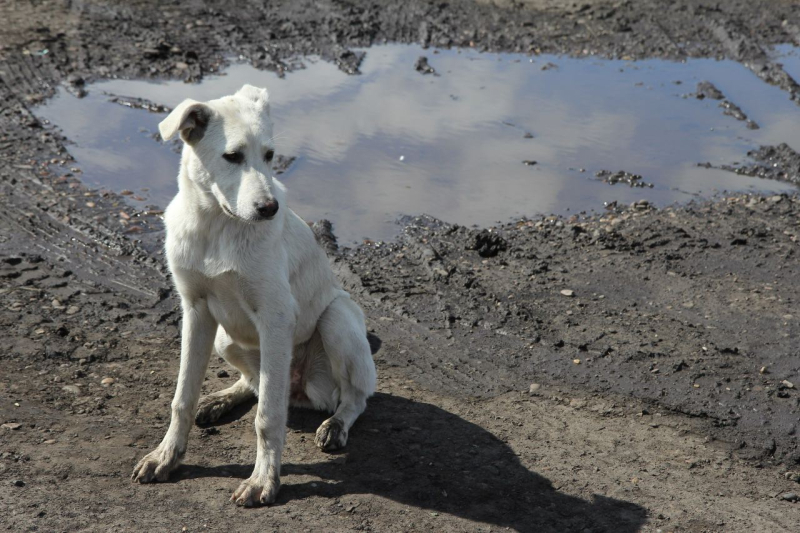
(792, 476)
(790, 497)
(74, 79)
(534, 388)
(763, 370)
(207, 432)
(706, 89)
(568, 292)
(108, 381)
(73, 389)
(775, 199)
(788, 384)
(576, 361)
(12, 425)
(72, 309)
(19, 483)
(680, 365)
(577, 403)
(49, 441)
(422, 66)
(222, 374)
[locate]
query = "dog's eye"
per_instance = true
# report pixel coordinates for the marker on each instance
(233, 157)
(269, 155)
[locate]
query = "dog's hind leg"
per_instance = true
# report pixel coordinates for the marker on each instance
(213, 406)
(344, 336)
(312, 382)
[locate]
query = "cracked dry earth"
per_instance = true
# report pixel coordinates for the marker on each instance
(631, 371)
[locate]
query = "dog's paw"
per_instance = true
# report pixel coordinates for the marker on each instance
(211, 408)
(331, 435)
(253, 492)
(156, 466)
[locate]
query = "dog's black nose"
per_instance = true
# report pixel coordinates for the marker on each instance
(267, 209)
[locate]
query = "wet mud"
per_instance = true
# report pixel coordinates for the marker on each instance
(706, 89)
(780, 163)
(620, 176)
(139, 103)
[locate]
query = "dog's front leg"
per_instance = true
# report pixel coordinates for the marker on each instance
(197, 341)
(276, 339)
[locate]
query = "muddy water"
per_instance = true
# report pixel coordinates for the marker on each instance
(392, 141)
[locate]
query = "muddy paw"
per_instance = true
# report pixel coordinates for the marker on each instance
(331, 435)
(252, 492)
(210, 409)
(156, 466)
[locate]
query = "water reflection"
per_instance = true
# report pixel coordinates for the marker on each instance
(393, 141)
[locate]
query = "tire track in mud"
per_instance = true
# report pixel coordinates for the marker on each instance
(44, 208)
(746, 50)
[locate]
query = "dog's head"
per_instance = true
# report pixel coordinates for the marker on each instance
(229, 151)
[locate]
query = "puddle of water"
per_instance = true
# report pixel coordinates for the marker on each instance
(392, 141)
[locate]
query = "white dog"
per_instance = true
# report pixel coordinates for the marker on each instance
(256, 287)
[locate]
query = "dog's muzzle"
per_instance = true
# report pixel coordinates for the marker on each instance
(267, 210)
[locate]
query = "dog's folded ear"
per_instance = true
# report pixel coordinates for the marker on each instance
(190, 118)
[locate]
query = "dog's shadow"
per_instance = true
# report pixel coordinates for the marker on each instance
(420, 455)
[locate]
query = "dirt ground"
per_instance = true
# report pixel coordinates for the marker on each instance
(631, 371)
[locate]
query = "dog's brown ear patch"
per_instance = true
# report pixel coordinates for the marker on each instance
(191, 118)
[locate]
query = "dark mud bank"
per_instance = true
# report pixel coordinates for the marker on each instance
(692, 309)
(148, 39)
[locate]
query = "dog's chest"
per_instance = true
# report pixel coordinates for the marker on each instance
(232, 306)
(219, 249)
(231, 270)
(245, 274)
